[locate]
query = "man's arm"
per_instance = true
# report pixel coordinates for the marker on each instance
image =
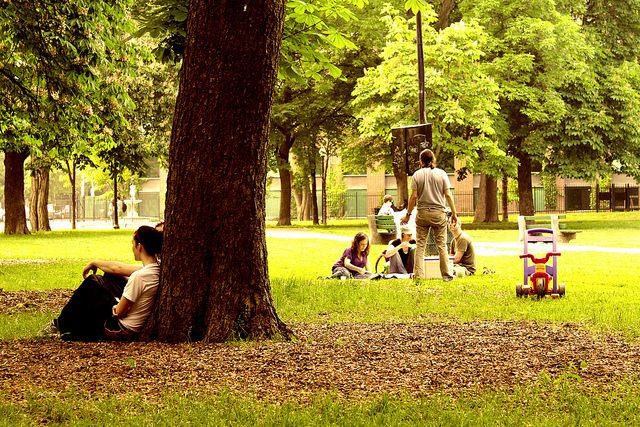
(411, 205)
(121, 309)
(452, 206)
(110, 267)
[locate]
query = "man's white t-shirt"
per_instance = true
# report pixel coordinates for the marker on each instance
(141, 291)
(430, 185)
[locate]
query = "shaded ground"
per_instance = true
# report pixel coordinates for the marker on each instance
(25, 301)
(353, 360)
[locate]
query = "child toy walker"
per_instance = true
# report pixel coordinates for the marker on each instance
(540, 279)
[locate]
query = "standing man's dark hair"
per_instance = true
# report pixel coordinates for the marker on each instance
(428, 159)
(431, 194)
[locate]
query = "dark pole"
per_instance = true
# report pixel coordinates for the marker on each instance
(423, 118)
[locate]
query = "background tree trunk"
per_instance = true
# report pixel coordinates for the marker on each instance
(15, 215)
(525, 190)
(487, 207)
(325, 167)
(33, 201)
(306, 202)
(297, 195)
(217, 178)
(314, 195)
(505, 198)
(402, 185)
(39, 200)
(446, 7)
(284, 170)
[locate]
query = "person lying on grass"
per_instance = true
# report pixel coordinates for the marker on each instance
(353, 262)
(100, 309)
(400, 252)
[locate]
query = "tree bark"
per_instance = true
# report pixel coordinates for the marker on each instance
(307, 202)
(402, 185)
(325, 167)
(297, 195)
(525, 190)
(314, 195)
(15, 215)
(487, 207)
(505, 198)
(33, 201)
(72, 174)
(217, 178)
(446, 8)
(284, 170)
(39, 200)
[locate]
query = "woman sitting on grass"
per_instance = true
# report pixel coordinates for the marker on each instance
(98, 309)
(353, 262)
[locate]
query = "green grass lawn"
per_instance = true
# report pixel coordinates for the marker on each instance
(603, 295)
(548, 402)
(602, 290)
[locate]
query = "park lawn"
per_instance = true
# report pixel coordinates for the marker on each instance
(602, 295)
(560, 401)
(602, 290)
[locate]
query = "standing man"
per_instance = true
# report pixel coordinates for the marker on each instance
(430, 190)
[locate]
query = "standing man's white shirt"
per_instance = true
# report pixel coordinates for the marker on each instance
(141, 291)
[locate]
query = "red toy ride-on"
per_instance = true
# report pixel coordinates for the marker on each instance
(540, 279)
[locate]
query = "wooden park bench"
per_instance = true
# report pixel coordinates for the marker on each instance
(554, 222)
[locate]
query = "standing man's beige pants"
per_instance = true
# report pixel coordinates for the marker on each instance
(436, 220)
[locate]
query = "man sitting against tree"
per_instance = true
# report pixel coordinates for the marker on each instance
(400, 252)
(464, 261)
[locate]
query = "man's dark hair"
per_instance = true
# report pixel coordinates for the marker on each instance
(149, 238)
(428, 159)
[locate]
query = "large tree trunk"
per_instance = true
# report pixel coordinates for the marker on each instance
(525, 190)
(487, 207)
(15, 216)
(284, 170)
(217, 178)
(505, 198)
(39, 200)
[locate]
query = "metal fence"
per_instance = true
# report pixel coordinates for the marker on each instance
(147, 205)
(568, 198)
(357, 204)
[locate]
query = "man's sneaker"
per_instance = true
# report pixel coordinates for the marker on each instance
(447, 278)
